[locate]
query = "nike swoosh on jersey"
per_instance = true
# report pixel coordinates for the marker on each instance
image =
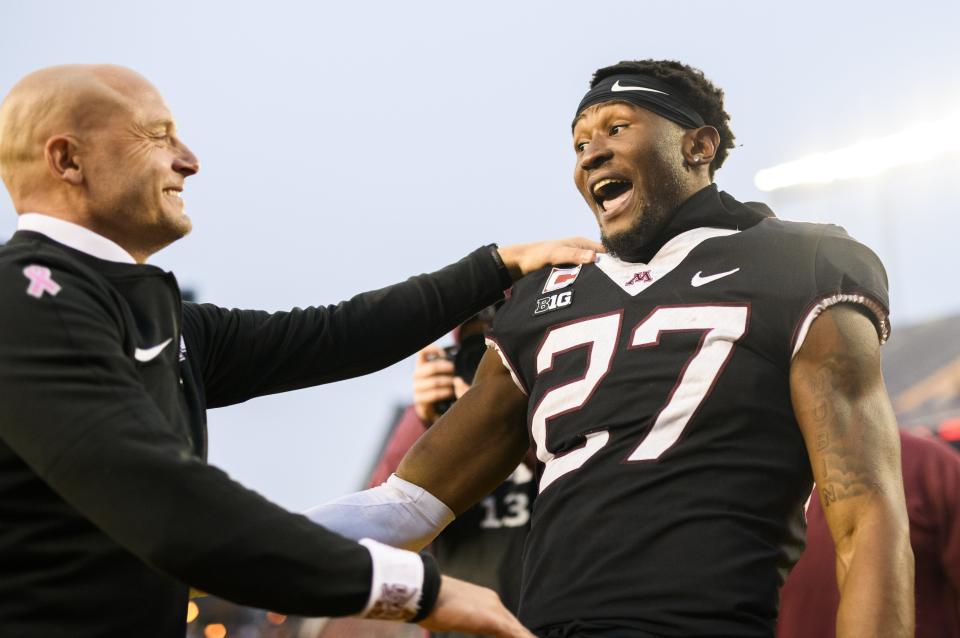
(618, 87)
(149, 354)
(698, 281)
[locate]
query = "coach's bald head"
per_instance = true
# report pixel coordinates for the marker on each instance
(96, 145)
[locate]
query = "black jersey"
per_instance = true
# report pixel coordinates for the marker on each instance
(673, 472)
(107, 506)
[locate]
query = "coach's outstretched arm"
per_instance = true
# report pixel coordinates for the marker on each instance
(851, 436)
(249, 353)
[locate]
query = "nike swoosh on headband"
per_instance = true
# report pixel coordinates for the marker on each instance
(618, 87)
(149, 354)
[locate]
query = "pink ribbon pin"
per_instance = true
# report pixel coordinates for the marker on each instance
(40, 281)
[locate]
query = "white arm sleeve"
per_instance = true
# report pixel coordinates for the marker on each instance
(397, 513)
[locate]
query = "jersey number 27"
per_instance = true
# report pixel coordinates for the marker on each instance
(721, 325)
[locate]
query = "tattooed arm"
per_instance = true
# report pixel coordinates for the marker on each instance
(851, 436)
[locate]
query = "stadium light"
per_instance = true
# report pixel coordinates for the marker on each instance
(918, 143)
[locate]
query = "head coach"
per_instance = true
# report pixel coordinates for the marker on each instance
(108, 509)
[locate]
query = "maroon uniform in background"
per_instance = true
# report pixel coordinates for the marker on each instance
(404, 434)
(931, 477)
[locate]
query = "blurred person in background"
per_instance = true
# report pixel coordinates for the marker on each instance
(108, 508)
(931, 480)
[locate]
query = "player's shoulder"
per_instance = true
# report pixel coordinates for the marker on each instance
(800, 232)
(546, 280)
(536, 294)
(820, 244)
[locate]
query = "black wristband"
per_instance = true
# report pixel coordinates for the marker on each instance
(506, 279)
(431, 587)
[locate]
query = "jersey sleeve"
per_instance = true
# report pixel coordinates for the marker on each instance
(249, 353)
(73, 408)
(511, 328)
(844, 271)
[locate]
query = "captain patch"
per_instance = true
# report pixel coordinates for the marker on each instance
(560, 278)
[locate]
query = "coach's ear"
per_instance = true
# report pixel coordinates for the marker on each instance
(61, 153)
(700, 146)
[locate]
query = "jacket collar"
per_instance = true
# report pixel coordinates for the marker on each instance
(74, 236)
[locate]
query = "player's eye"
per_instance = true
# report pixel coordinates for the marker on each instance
(580, 146)
(617, 128)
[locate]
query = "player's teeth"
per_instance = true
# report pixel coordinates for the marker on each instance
(603, 182)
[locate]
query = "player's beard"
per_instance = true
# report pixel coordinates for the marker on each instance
(665, 194)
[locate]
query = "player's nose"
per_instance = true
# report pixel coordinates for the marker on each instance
(595, 155)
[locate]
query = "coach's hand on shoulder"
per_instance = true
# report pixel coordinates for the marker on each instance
(522, 259)
(472, 609)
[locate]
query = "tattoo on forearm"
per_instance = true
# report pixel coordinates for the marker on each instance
(844, 472)
(845, 477)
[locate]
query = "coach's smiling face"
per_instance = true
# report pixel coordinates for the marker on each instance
(136, 166)
(634, 168)
(96, 145)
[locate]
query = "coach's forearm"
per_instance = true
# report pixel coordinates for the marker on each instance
(254, 353)
(875, 568)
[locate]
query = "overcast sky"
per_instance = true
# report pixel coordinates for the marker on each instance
(356, 143)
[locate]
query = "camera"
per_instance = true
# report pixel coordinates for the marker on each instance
(466, 359)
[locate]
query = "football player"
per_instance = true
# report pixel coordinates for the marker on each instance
(681, 394)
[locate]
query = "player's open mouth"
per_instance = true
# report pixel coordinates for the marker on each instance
(174, 192)
(611, 194)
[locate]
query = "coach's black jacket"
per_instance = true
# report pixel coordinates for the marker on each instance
(107, 505)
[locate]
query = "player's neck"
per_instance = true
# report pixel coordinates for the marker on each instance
(639, 245)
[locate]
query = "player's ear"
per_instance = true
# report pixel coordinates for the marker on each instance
(62, 155)
(700, 145)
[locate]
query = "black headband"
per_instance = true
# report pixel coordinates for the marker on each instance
(645, 92)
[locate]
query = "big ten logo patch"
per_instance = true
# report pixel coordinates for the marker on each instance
(553, 302)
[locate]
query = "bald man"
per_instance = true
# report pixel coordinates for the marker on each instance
(108, 509)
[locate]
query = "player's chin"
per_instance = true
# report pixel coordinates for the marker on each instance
(616, 225)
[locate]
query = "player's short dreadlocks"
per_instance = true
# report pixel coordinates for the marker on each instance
(691, 85)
